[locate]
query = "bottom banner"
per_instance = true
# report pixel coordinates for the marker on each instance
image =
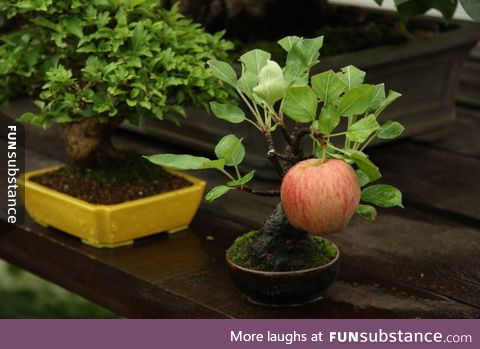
(213, 334)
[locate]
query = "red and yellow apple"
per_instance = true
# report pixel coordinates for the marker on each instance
(320, 197)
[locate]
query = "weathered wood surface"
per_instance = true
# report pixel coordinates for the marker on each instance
(410, 263)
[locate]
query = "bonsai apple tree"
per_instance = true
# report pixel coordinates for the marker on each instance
(93, 64)
(326, 121)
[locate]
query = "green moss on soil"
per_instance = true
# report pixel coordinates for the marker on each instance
(324, 252)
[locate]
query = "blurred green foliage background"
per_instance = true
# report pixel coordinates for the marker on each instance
(24, 295)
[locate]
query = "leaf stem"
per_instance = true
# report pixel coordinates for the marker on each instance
(337, 134)
(271, 154)
(226, 174)
(245, 100)
(368, 141)
(337, 149)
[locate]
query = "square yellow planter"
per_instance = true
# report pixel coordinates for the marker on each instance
(111, 225)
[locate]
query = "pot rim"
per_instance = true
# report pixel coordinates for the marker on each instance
(284, 273)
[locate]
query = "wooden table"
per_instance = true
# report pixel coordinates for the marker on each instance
(423, 261)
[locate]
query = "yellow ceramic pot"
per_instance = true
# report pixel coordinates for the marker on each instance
(111, 225)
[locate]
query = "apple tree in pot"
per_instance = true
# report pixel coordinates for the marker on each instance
(93, 64)
(326, 175)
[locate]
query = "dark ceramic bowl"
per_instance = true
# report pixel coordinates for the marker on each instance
(284, 289)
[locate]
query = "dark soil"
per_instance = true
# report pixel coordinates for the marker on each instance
(277, 246)
(113, 182)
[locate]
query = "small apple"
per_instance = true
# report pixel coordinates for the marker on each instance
(320, 197)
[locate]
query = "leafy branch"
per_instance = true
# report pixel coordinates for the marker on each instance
(315, 105)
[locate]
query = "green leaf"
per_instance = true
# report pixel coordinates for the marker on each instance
(363, 179)
(231, 149)
(218, 164)
(329, 119)
(382, 195)
(288, 42)
(224, 72)
(392, 97)
(74, 26)
(356, 101)
(216, 192)
(301, 57)
(242, 181)
(300, 104)
(255, 60)
(180, 162)
(363, 128)
(26, 117)
(63, 119)
(228, 112)
(352, 76)
(311, 48)
(390, 129)
(378, 97)
(270, 86)
(247, 82)
(364, 164)
(328, 87)
(367, 212)
(138, 37)
(472, 8)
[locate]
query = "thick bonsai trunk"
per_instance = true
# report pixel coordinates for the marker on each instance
(88, 139)
(278, 246)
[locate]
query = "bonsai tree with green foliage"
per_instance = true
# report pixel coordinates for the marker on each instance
(335, 115)
(93, 64)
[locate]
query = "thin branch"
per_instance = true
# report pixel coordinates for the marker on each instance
(283, 157)
(268, 193)
(277, 165)
(297, 136)
(285, 133)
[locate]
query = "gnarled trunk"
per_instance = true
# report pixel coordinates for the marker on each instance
(278, 246)
(88, 138)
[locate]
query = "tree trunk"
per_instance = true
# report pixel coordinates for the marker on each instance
(278, 246)
(88, 138)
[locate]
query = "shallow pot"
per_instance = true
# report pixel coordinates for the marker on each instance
(284, 289)
(111, 225)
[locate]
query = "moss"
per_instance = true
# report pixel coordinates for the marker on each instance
(322, 253)
(238, 252)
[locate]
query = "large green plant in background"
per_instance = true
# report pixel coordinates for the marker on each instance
(93, 63)
(408, 9)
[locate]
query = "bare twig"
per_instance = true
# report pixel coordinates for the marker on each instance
(283, 157)
(268, 193)
(285, 133)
